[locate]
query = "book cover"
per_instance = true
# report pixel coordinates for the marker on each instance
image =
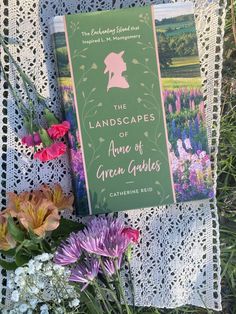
(131, 87)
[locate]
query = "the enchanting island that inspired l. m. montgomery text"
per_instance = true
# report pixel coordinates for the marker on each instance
(130, 81)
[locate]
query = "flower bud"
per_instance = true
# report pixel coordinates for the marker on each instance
(50, 117)
(45, 137)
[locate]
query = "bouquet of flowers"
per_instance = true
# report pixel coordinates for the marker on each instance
(81, 276)
(44, 135)
(58, 265)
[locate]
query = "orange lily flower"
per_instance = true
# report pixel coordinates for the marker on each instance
(57, 197)
(6, 240)
(39, 217)
(15, 201)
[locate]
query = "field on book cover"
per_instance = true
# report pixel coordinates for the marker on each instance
(184, 106)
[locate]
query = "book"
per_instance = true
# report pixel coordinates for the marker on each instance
(131, 90)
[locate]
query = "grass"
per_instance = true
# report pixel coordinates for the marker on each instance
(179, 82)
(65, 81)
(178, 28)
(183, 67)
(184, 61)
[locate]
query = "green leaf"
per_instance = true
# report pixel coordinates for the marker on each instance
(30, 245)
(50, 117)
(34, 238)
(46, 247)
(90, 301)
(8, 265)
(46, 140)
(65, 228)
(22, 257)
(15, 231)
(10, 252)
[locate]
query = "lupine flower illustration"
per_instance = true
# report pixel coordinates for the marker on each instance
(170, 108)
(190, 162)
(178, 105)
(77, 163)
(187, 143)
(192, 174)
(202, 110)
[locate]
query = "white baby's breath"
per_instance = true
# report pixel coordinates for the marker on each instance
(74, 303)
(40, 286)
(44, 309)
(44, 257)
(15, 296)
(23, 308)
(35, 290)
(33, 303)
(19, 271)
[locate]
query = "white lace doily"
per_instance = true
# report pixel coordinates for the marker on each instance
(177, 261)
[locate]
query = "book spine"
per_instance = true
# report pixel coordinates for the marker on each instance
(67, 97)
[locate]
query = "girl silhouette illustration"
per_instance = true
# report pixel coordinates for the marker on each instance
(115, 66)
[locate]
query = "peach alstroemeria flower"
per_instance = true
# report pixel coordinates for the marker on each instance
(40, 217)
(6, 240)
(57, 197)
(15, 201)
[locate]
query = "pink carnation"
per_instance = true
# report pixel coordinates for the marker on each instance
(31, 140)
(51, 152)
(58, 130)
(131, 234)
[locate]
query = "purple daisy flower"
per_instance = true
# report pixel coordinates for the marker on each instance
(85, 272)
(69, 251)
(109, 265)
(103, 236)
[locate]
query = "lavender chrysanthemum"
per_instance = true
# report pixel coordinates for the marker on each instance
(69, 251)
(109, 265)
(85, 272)
(103, 236)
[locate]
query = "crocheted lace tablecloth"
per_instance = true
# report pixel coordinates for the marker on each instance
(178, 260)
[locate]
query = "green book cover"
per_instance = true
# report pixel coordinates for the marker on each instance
(134, 127)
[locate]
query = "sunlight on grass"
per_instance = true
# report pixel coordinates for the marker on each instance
(181, 82)
(65, 81)
(184, 61)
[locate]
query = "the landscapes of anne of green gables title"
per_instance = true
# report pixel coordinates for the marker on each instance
(183, 102)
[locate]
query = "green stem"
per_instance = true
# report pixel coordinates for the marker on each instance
(121, 289)
(92, 302)
(19, 102)
(110, 286)
(24, 76)
(131, 285)
(102, 298)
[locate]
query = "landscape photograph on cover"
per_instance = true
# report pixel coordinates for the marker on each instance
(183, 101)
(66, 89)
